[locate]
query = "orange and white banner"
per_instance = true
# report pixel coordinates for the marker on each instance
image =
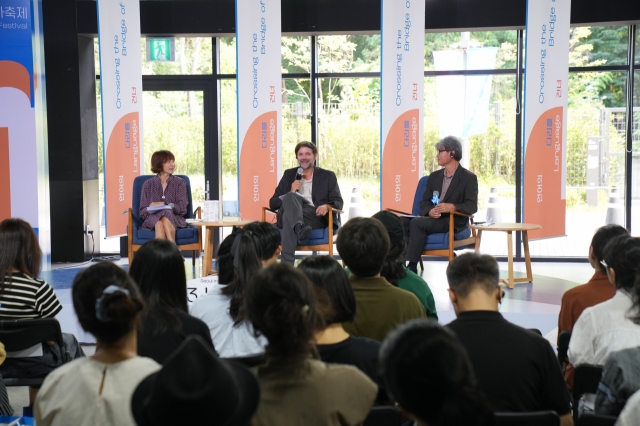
(258, 33)
(121, 90)
(545, 116)
(401, 101)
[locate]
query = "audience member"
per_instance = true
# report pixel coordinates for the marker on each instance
(363, 244)
(24, 296)
(223, 308)
(609, 326)
(516, 368)
(337, 304)
(631, 412)
(195, 387)
(298, 389)
(394, 269)
(427, 371)
(597, 289)
(97, 390)
(224, 260)
(158, 269)
(621, 375)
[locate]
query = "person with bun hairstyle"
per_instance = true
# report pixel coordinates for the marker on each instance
(337, 304)
(158, 269)
(297, 388)
(427, 371)
(97, 390)
(24, 296)
(223, 307)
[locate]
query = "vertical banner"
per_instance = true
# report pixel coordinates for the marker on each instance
(121, 94)
(23, 180)
(258, 67)
(545, 116)
(401, 101)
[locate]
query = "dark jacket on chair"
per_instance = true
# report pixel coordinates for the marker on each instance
(324, 190)
(463, 193)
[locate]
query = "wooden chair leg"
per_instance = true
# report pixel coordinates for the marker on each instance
(193, 258)
(421, 264)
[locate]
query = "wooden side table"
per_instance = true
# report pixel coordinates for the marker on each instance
(209, 239)
(509, 228)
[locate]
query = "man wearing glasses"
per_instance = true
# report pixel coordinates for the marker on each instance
(452, 188)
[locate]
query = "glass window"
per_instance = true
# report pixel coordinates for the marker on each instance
(597, 46)
(349, 139)
(595, 162)
(227, 55)
(488, 136)
(296, 54)
(229, 131)
(296, 118)
(349, 53)
(470, 50)
(193, 56)
(637, 45)
(635, 177)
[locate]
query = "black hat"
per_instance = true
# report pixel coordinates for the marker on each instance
(194, 386)
(392, 224)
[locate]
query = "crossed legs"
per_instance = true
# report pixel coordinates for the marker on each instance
(165, 230)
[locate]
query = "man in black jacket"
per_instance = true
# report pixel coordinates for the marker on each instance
(452, 188)
(302, 199)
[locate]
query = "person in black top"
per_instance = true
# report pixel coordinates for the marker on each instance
(516, 368)
(158, 269)
(337, 304)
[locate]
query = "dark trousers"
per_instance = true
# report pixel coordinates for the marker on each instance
(417, 229)
(296, 209)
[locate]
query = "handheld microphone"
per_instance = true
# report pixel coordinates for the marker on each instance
(436, 197)
(299, 175)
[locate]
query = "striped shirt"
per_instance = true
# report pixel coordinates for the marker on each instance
(27, 297)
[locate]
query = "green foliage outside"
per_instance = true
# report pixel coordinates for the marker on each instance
(348, 119)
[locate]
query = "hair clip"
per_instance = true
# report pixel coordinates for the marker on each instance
(101, 313)
(305, 309)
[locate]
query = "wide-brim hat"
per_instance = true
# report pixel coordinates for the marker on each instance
(194, 386)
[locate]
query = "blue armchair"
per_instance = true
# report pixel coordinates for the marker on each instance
(320, 239)
(189, 238)
(442, 244)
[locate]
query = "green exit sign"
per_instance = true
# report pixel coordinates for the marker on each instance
(161, 49)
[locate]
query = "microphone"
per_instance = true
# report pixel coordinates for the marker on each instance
(299, 175)
(436, 197)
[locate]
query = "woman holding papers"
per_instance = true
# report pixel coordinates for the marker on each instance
(163, 202)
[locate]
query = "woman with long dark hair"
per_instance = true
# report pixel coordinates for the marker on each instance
(255, 246)
(427, 371)
(298, 389)
(158, 269)
(24, 296)
(97, 390)
(337, 304)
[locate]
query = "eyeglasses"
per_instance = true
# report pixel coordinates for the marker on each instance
(603, 263)
(443, 150)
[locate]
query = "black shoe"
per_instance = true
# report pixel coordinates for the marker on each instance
(303, 231)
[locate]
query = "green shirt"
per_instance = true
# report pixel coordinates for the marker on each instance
(380, 308)
(415, 284)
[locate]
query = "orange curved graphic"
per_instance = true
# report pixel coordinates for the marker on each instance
(5, 174)
(122, 166)
(401, 162)
(14, 74)
(543, 166)
(258, 165)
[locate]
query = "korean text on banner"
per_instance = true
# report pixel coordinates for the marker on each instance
(402, 101)
(258, 66)
(545, 115)
(121, 90)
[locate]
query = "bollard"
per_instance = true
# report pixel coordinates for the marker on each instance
(493, 207)
(356, 205)
(615, 214)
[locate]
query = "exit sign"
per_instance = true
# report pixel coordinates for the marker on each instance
(161, 49)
